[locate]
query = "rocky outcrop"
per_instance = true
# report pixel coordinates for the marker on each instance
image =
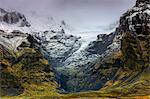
(140, 2)
(12, 40)
(136, 19)
(135, 26)
(101, 44)
(13, 18)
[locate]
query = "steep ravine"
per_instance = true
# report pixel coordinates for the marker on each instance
(126, 48)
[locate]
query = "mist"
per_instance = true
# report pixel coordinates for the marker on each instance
(77, 13)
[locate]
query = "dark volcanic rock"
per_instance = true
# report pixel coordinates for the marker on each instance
(138, 2)
(13, 18)
(100, 45)
(136, 40)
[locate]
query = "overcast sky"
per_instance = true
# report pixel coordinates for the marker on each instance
(74, 12)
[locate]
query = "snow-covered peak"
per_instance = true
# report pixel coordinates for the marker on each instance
(13, 18)
(137, 18)
(30, 22)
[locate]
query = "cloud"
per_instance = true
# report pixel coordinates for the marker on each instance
(75, 12)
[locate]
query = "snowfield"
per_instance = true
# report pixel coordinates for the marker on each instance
(41, 23)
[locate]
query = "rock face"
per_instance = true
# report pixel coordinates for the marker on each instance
(136, 40)
(138, 2)
(136, 19)
(13, 18)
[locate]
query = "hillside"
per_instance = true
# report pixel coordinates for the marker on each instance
(25, 72)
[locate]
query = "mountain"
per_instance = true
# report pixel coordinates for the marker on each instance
(24, 69)
(13, 18)
(49, 63)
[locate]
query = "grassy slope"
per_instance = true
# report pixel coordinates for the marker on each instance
(126, 83)
(26, 74)
(128, 88)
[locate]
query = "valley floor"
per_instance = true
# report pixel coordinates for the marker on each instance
(86, 95)
(135, 87)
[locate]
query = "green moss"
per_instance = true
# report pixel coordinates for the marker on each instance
(135, 52)
(27, 72)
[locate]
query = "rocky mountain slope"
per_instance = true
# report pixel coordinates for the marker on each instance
(13, 18)
(116, 64)
(24, 70)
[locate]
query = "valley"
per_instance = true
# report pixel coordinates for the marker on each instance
(45, 64)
